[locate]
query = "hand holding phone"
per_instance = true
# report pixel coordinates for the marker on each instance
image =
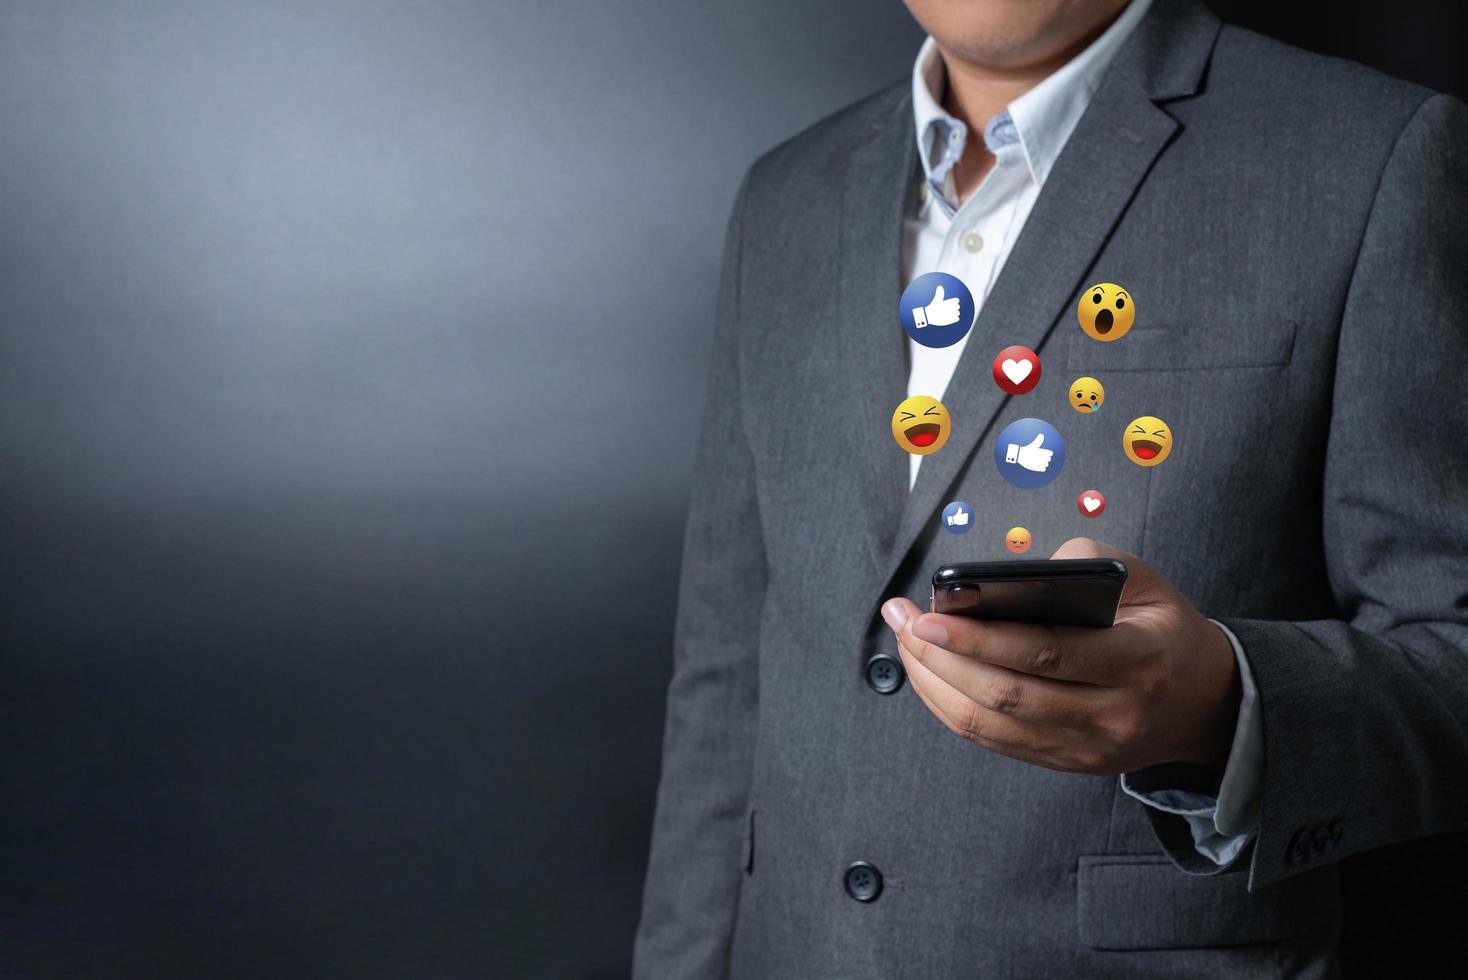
(1054, 663)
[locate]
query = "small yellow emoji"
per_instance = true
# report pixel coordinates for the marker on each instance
(1106, 311)
(1086, 395)
(921, 425)
(1147, 441)
(1018, 540)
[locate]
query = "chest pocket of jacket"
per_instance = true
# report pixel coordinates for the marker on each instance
(1185, 347)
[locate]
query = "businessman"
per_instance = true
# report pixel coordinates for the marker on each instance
(854, 787)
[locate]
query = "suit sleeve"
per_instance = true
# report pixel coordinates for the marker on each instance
(695, 868)
(1220, 818)
(1365, 717)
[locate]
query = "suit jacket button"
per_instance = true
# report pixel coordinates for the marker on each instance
(884, 673)
(863, 882)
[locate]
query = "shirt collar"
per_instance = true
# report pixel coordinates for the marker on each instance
(1041, 120)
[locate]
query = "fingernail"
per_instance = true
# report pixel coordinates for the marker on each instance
(893, 614)
(927, 629)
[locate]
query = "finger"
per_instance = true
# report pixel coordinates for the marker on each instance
(961, 715)
(1049, 747)
(898, 612)
(1144, 585)
(937, 295)
(1105, 658)
(999, 689)
(1037, 441)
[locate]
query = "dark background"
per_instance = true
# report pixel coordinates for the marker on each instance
(350, 364)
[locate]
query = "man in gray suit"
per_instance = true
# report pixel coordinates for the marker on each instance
(1171, 796)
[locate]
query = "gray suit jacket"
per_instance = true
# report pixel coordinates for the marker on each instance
(1295, 230)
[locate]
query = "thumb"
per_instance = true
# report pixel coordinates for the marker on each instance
(1144, 584)
(905, 609)
(1035, 442)
(938, 294)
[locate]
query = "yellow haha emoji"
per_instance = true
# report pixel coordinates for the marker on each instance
(1106, 311)
(1086, 395)
(921, 425)
(1147, 441)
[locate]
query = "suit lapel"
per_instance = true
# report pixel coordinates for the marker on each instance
(877, 183)
(1084, 196)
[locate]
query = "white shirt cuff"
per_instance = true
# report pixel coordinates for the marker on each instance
(1221, 827)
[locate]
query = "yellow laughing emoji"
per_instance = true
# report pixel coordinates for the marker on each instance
(1147, 441)
(921, 425)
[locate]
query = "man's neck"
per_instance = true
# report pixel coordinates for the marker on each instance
(976, 93)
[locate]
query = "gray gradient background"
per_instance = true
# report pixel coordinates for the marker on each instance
(350, 364)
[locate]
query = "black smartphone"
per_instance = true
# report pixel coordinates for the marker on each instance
(1056, 591)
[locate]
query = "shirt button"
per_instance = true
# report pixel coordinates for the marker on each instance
(863, 882)
(972, 241)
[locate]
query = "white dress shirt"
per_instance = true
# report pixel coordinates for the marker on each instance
(971, 241)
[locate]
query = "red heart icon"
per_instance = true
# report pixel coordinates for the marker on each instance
(1016, 370)
(1091, 503)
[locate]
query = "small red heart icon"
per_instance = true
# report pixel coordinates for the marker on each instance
(1091, 503)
